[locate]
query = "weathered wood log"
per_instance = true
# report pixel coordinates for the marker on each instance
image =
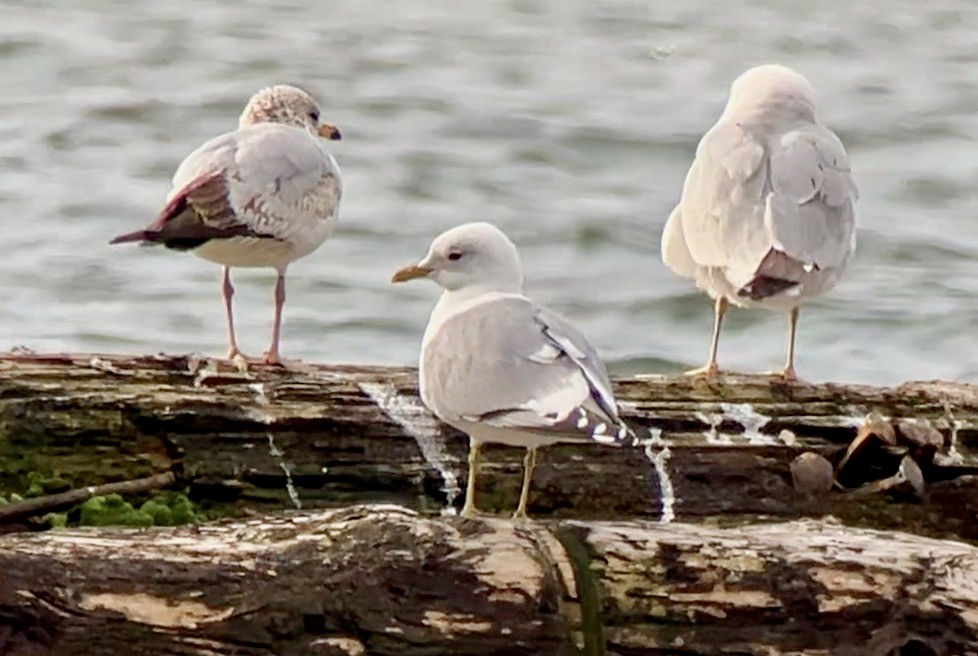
(327, 436)
(384, 580)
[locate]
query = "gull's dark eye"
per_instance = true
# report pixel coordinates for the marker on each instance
(314, 115)
(455, 255)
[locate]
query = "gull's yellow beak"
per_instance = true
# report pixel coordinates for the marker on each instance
(411, 272)
(329, 131)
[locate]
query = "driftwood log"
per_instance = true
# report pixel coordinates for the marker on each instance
(331, 436)
(384, 580)
(690, 545)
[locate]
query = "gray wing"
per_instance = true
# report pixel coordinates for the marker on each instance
(510, 364)
(768, 205)
(811, 210)
(265, 180)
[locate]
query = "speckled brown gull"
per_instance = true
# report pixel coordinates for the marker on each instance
(767, 214)
(264, 195)
(499, 367)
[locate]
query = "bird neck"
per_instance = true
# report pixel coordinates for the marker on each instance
(477, 290)
(765, 114)
(453, 302)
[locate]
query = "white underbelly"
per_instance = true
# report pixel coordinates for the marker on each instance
(484, 434)
(265, 252)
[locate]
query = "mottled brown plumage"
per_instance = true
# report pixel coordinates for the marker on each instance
(264, 195)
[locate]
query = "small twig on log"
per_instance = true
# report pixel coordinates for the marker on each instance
(53, 502)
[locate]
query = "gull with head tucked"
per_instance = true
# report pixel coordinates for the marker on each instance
(767, 214)
(499, 367)
(264, 195)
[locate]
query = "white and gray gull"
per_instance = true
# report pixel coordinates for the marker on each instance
(767, 214)
(264, 195)
(501, 368)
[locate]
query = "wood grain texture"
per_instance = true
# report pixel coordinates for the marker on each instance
(331, 435)
(384, 580)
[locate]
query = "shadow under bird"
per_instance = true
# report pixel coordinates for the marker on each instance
(264, 195)
(767, 214)
(501, 368)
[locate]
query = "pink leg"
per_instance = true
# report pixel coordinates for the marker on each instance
(273, 356)
(228, 292)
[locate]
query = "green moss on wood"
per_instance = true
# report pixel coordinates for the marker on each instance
(43, 485)
(589, 590)
(159, 512)
(114, 510)
(56, 520)
(172, 510)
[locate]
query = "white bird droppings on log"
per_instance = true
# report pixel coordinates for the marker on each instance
(752, 421)
(420, 424)
(657, 451)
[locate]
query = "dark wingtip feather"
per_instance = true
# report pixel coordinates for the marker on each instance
(601, 430)
(761, 287)
(139, 235)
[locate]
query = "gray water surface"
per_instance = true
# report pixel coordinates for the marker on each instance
(569, 123)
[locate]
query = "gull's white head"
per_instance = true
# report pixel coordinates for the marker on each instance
(473, 255)
(771, 89)
(289, 105)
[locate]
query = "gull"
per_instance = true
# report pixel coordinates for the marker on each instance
(264, 195)
(767, 216)
(499, 367)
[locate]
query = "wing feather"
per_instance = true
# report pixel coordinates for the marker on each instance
(810, 213)
(265, 181)
(753, 202)
(675, 252)
(509, 364)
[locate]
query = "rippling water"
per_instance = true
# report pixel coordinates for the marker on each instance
(569, 123)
